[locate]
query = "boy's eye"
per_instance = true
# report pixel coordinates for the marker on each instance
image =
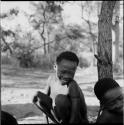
(68, 72)
(62, 72)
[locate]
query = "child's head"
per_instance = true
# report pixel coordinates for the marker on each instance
(103, 86)
(7, 119)
(66, 65)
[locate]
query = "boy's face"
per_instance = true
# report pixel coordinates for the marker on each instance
(65, 71)
(116, 92)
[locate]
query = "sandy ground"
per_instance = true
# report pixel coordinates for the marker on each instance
(19, 103)
(18, 100)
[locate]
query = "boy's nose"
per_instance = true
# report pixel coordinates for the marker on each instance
(68, 78)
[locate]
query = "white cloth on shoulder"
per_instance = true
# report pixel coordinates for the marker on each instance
(56, 87)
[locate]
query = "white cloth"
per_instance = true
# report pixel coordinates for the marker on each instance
(56, 87)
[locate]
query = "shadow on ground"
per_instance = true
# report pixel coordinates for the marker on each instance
(21, 111)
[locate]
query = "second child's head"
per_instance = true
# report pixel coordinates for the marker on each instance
(106, 89)
(66, 65)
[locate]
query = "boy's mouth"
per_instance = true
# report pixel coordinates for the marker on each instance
(65, 81)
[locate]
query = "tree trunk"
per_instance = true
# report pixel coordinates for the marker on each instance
(104, 50)
(47, 39)
(45, 51)
(43, 38)
(7, 45)
(116, 30)
(116, 43)
(44, 44)
(48, 46)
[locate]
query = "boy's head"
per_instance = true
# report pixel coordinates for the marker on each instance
(103, 86)
(66, 65)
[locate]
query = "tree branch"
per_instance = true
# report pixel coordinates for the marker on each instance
(7, 45)
(46, 44)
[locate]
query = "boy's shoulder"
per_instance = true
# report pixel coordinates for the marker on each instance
(74, 89)
(73, 84)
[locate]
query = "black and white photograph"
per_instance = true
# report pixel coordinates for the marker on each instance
(62, 62)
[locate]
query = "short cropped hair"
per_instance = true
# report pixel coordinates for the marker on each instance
(104, 85)
(67, 55)
(8, 119)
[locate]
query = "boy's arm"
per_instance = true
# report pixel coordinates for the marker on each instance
(75, 101)
(104, 117)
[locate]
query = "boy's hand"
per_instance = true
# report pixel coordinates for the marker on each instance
(35, 99)
(43, 100)
(37, 95)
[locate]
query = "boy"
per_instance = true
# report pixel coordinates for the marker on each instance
(68, 99)
(110, 96)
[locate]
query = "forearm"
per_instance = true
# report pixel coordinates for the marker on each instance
(75, 102)
(75, 109)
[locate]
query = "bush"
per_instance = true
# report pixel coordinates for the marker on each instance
(25, 59)
(9, 60)
(43, 62)
(117, 68)
(83, 62)
(5, 60)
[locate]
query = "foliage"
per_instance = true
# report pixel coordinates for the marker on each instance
(6, 60)
(24, 48)
(83, 62)
(69, 38)
(43, 62)
(47, 14)
(11, 12)
(4, 35)
(118, 67)
(54, 35)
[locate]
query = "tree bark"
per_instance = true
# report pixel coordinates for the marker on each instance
(43, 38)
(48, 40)
(116, 30)
(104, 50)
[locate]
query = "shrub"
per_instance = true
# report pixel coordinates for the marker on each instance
(9, 60)
(25, 59)
(83, 62)
(43, 62)
(117, 68)
(5, 59)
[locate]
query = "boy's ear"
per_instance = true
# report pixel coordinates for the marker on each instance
(55, 66)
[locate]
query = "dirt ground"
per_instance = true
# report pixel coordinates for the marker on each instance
(18, 87)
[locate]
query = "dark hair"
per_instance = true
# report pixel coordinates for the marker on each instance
(104, 85)
(68, 55)
(7, 119)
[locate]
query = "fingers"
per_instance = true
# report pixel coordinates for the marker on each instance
(38, 93)
(35, 98)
